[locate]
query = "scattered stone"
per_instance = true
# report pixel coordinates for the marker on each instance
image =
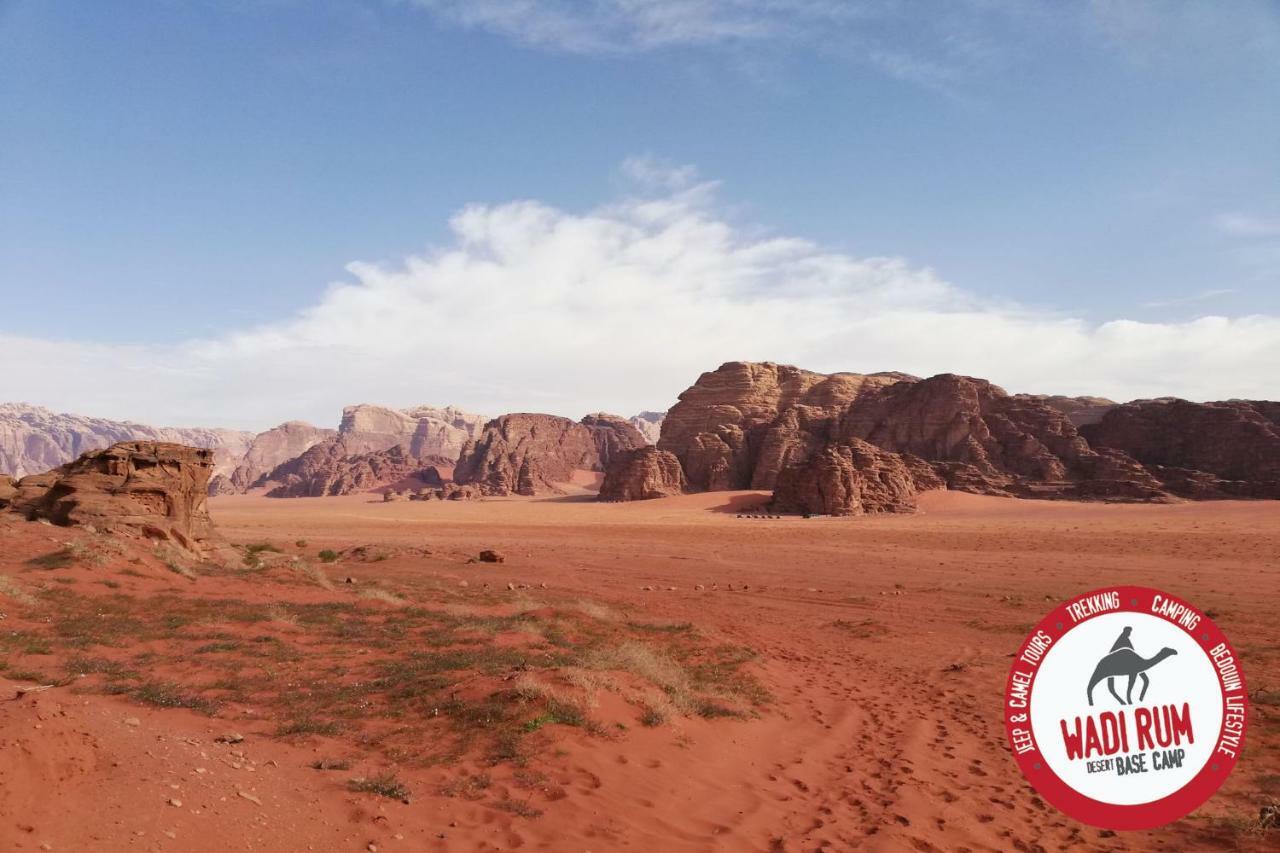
(132, 721)
(463, 584)
(176, 803)
(488, 556)
(244, 795)
(511, 586)
(229, 737)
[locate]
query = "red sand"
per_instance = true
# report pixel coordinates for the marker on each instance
(885, 730)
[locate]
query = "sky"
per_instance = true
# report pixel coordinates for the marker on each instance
(241, 212)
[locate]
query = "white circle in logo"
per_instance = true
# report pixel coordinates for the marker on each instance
(1155, 715)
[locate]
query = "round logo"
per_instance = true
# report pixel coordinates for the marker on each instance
(1125, 708)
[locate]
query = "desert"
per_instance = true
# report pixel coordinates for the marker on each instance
(639, 426)
(605, 659)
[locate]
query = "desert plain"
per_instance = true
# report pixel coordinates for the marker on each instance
(673, 674)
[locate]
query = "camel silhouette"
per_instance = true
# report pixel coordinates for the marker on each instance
(1123, 660)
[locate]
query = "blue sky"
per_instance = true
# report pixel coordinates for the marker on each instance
(184, 184)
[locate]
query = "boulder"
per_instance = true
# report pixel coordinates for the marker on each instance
(643, 474)
(156, 489)
(8, 490)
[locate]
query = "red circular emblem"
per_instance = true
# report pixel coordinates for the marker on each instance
(1126, 708)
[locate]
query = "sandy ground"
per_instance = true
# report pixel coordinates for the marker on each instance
(885, 643)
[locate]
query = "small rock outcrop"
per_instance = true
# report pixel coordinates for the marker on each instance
(8, 490)
(853, 478)
(531, 454)
(329, 469)
(643, 474)
(156, 489)
(1199, 450)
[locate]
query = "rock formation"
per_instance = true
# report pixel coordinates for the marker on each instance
(728, 429)
(1199, 450)
(528, 454)
(8, 490)
(853, 478)
(649, 425)
(34, 439)
(643, 474)
(329, 468)
(613, 436)
(422, 431)
(156, 489)
(1081, 411)
(268, 451)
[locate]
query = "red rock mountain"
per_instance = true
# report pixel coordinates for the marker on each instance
(528, 454)
(269, 450)
(329, 469)
(1199, 450)
(853, 478)
(155, 489)
(738, 426)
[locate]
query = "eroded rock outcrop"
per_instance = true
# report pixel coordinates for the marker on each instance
(268, 451)
(1199, 450)
(530, 454)
(330, 469)
(156, 489)
(1081, 411)
(853, 478)
(35, 439)
(422, 431)
(728, 429)
(985, 440)
(643, 474)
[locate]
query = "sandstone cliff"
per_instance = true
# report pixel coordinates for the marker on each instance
(422, 431)
(34, 439)
(269, 450)
(329, 468)
(1079, 410)
(853, 477)
(155, 489)
(649, 425)
(528, 454)
(643, 474)
(738, 426)
(1199, 450)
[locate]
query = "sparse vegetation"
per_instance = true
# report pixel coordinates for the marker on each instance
(384, 785)
(57, 560)
(328, 556)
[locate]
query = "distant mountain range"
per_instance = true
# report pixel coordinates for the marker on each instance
(34, 439)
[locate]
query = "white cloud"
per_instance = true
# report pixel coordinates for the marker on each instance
(620, 308)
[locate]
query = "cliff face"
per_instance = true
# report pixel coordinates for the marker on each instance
(643, 474)
(155, 489)
(267, 451)
(34, 439)
(649, 425)
(853, 477)
(529, 454)
(329, 469)
(1199, 450)
(729, 431)
(422, 431)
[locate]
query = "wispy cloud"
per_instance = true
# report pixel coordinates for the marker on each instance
(620, 307)
(1246, 225)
